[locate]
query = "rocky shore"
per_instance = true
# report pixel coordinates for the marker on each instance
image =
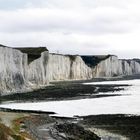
(23, 126)
(67, 90)
(127, 126)
(34, 126)
(38, 125)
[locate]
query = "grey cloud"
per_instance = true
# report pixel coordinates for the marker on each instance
(72, 26)
(100, 17)
(62, 21)
(69, 44)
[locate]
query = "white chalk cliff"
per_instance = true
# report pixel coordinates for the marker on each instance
(24, 69)
(65, 67)
(17, 74)
(112, 66)
(13, 67)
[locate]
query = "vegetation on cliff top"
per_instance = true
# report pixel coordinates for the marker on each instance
(33, 53)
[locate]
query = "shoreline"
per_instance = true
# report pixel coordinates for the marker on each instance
(107, 127)
(72, 81)
(70, 90)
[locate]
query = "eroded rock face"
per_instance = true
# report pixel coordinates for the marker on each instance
(16, 75)
(112, 66)
(67, 67)
(13, 66)
(22, 69)
(38, 70)
(109, 67)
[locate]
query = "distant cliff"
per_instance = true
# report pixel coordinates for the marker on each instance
(23, 69)
(64, 67)
(112, 66)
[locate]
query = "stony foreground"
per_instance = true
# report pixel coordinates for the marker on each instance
(23, 126)
(32, 126)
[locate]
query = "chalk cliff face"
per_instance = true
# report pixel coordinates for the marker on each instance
(13, 66)
(23, 69)
(112, 66)
(17, 74)
(65, 67)
(109, 67)
(37, 70)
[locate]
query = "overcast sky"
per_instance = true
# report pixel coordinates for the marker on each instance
(73, 26)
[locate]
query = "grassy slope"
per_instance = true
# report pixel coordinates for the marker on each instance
(33, 53)
(12, 128)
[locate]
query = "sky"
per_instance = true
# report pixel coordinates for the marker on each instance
(73, 26)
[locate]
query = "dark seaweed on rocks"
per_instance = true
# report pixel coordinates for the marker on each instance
(126, 125)
(65, 90)
(75, 132)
